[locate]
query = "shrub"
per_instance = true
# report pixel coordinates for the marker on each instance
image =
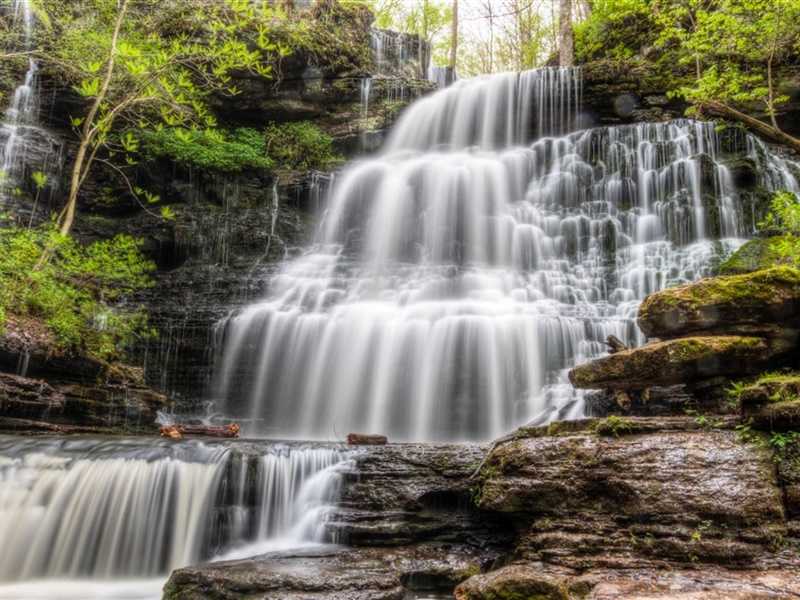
(300, 145)
(784, 216)
(78, 292)
(616, 29)
(215, 149)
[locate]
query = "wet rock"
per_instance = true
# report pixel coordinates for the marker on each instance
(540, 582)
(362, 439)
(651, 489)
(765, 297)
(772, 402)
(677, 361)
(403, 493)
(529, 581)
(37, 406)
(328, 574)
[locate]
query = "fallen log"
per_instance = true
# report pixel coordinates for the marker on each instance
(765, 130)
(361, 439)
(176, 432)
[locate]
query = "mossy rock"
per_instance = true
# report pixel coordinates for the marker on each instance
(675, 361)
(514, 582)
(772, 402)
(755, 255)
(770, 296)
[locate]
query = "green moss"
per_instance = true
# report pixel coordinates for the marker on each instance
(613, 426)
(757, 254)
(749, 291)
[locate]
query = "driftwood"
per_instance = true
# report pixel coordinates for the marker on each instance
(361, 439)
(176, 432)
(615, 344)
(763, 129)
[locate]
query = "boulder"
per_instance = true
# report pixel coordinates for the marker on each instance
(759, 299)
(654, 489)
(677, 361)
(772, 402)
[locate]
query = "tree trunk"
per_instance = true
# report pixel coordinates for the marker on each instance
(454, 40)
(771, 91)
(88, 132)
(566, 51)
(761, 128)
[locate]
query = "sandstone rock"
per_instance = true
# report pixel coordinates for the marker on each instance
(724, 303)
(677, 362)
(772, 402)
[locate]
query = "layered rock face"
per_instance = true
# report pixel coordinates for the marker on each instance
(406, 516)
(704, 335)
(630, 508)
(44, 391)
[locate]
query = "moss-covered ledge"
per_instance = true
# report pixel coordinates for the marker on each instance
(677, 361)
(764, 297)
(755, 255)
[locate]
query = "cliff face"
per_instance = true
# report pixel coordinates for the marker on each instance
(232, 228)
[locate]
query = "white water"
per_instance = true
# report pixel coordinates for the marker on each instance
(459, 274)
(103, 513)
(24, 145)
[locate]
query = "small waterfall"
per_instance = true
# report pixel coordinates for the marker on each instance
(459, 274)
(130, 509)
(24, 145)
(495, 111)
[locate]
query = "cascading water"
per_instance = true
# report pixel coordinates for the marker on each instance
(104, 510)
(24, 145)
(459, 274)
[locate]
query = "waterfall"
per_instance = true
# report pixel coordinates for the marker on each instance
(24, 145)
(127, 508)
(460, 273)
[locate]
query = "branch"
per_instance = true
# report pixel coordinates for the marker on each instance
(127, 181)
(763, 129)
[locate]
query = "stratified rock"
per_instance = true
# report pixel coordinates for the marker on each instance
(677, 361)
(332, 573)
(106, 406)
(400, 494)
(765, 297)
(540, 582)
(680, 492)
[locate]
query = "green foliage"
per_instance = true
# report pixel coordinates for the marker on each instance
(615, 29)
(75, 292)
(300, 146)
(214, 149)
(613, 425)
(784, 216)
